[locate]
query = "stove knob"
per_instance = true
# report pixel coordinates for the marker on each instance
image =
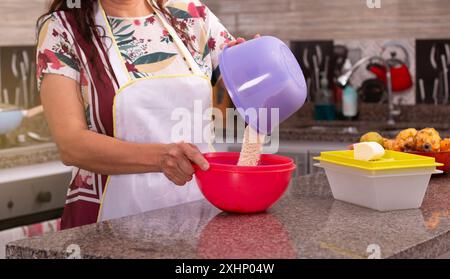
(44, 197)
(10, 204)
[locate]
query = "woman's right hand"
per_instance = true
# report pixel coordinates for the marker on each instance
(177, 159)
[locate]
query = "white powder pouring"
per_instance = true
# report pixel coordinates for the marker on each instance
(251, 148)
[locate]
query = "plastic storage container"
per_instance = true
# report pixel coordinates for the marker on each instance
(263, 73)
(398, 181)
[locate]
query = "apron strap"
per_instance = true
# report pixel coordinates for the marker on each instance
(177, 40)
(185, 52)
(115, 57)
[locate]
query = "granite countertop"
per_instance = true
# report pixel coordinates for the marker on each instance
(28, 155)
(305, 223)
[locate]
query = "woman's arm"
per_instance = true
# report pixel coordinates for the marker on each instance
(98, 153)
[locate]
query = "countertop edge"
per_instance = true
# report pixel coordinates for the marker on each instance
(441, 245)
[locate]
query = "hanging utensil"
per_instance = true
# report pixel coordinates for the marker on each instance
(433, 58)
(14, 65)
(308, 84)
(434, 65)
(26, 60)
(32, 84)
(435, 91)
(422, 90)
(447, 52)
(6, 96)
(26, 71)
(340, 54)
(319, 54)
(23, 71)
(307, 69)
(316, 73)
(445, 78)
(326, 66)
(17, 97)
(305, 59)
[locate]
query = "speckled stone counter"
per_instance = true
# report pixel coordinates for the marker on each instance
(305, 223)
(34, 154)
(13, 154)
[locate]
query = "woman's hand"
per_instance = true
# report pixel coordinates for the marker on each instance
(176, 162)
(236, 42)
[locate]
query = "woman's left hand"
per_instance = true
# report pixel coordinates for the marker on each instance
(237, 42)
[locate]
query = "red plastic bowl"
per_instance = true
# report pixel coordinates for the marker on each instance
(440, 157)
(232, 188)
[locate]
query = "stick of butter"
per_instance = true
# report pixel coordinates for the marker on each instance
(368, 151)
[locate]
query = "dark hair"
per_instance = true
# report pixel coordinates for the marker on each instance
(86, 18)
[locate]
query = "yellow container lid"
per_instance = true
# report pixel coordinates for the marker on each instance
(390, 160)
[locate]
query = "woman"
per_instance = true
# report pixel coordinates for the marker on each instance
(110, 74)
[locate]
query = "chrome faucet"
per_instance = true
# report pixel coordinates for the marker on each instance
(345, 78)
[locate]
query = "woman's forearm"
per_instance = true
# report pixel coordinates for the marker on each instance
(106, 155)
(78, 146)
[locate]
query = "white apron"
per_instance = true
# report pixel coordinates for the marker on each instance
(142, 114)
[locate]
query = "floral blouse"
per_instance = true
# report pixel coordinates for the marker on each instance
(145, 45)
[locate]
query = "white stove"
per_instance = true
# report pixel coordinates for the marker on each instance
(31, 190)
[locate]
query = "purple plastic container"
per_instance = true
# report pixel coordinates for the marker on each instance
(263, 73)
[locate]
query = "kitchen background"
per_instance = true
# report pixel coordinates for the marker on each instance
(328, 38)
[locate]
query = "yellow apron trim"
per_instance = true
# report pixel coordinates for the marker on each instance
(182, 49)
(131, 82)
(114, 42)
(103, 198)
(125, 86)
(113, 38)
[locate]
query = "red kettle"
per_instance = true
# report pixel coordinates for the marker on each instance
(401, 77)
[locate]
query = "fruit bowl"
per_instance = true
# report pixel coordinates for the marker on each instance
(237, 189)
(442, 157)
